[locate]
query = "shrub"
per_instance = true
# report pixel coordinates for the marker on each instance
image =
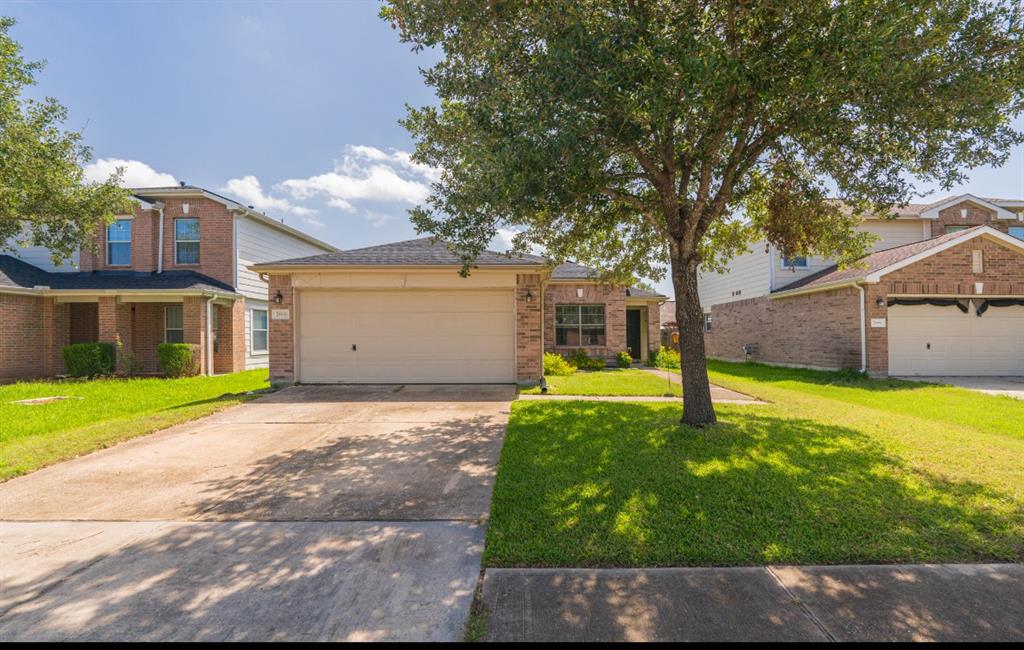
(624, 359)
(556, 365)
(88, 359)
(664, 358)
(178, 359)
(580, 359)
(128, 362)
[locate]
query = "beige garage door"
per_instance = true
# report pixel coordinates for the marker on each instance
(928, 340)
(406, 336)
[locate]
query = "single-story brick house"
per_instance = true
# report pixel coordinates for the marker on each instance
(401, 312)
(947, 305)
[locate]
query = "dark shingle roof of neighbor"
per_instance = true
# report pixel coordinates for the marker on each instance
(873, 262)
(19, 274)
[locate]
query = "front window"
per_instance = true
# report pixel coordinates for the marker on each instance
(174, 324)
(950, 229)
(186, 241)
(1017, 231)
(119, 243)
(707, 322)
(798, 262)
(259, 330)
(577, 325)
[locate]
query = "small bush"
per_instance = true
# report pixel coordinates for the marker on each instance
(555, 365)
(128, 362)
(178, 359)
(624, 359)
(663, 358)
(580, 359)
(88, 359)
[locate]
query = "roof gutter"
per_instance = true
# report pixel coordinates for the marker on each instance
(799, 291)
(159, 205)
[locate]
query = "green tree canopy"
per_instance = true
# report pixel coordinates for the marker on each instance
(43, 199)
(629, 134)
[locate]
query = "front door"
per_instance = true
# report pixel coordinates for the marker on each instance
(633, 333)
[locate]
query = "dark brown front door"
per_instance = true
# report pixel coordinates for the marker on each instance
(633, 332)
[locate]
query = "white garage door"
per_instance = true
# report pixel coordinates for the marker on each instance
(406, 336)
(929, 340)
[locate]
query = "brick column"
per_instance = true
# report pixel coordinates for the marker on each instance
(194, 312)
(529, 352)
(877, 337)
(653, 328)
(55, 334)
(230, 355)
(282, 332)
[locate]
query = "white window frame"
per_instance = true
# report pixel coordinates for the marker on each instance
(186, 241)
(120, 242)
(175, 329)
(580, 325)
(805, 265)
(253, 329)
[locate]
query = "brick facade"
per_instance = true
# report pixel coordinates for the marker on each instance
(614, 300)
(21, 346)
(282, 332)
(822, 329)
(529, 355)
(976, 216)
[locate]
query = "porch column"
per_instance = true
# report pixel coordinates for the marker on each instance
(230, 354)
(113, 319)
(529, 352)
(54, 334)
(194, 312)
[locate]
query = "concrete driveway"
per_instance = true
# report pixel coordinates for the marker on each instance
(315, 513)
(1008, 386)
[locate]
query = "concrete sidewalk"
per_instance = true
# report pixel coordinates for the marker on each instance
(982, 602)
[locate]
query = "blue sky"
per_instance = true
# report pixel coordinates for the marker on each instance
(292, 107)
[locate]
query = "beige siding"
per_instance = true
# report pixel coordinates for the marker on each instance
(253, 360)
(257, 243)
(895, 233)
(40, 256)
(747, 276)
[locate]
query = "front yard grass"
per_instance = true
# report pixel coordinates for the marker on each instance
(833, 470)
(109, 411)
(629, 382)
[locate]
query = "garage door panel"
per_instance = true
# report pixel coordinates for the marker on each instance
(930, 340)
(407, 336)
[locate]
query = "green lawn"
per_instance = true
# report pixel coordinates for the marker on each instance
(630, 382)
(109, 411)
(831, 471)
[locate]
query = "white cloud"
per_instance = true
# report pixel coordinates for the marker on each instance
(249, 191)
(377, 219)
(368, 174)
(136, 173)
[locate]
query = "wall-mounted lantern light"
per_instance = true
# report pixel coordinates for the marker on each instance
(529, 296)
(880, 302)
(278, 298)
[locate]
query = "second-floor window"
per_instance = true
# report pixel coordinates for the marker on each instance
(799, 262)
(186, 241)
(1017, 231)
(119, 243)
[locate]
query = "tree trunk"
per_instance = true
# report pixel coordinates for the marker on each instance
(697, 407)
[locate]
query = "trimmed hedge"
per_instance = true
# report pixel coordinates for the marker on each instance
(178, 359)
(624, 360)
(88, 359)
(580, 359)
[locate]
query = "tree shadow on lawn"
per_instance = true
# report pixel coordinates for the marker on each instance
(625, 484)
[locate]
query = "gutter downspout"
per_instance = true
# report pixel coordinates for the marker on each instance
(863, 330)
(160, 239)
(209, 336)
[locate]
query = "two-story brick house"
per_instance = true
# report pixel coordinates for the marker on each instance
(942, 294)
(176, 270)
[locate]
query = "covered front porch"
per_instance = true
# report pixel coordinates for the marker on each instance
(142, 321)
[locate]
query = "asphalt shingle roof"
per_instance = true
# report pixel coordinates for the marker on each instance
(873, 262)
(413, 252)
(19, 274)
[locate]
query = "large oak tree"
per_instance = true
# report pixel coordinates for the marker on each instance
(635, 135)
(43, 199)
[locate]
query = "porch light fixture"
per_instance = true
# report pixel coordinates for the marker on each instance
(278, 298)
(879, 302)
(529, 296)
